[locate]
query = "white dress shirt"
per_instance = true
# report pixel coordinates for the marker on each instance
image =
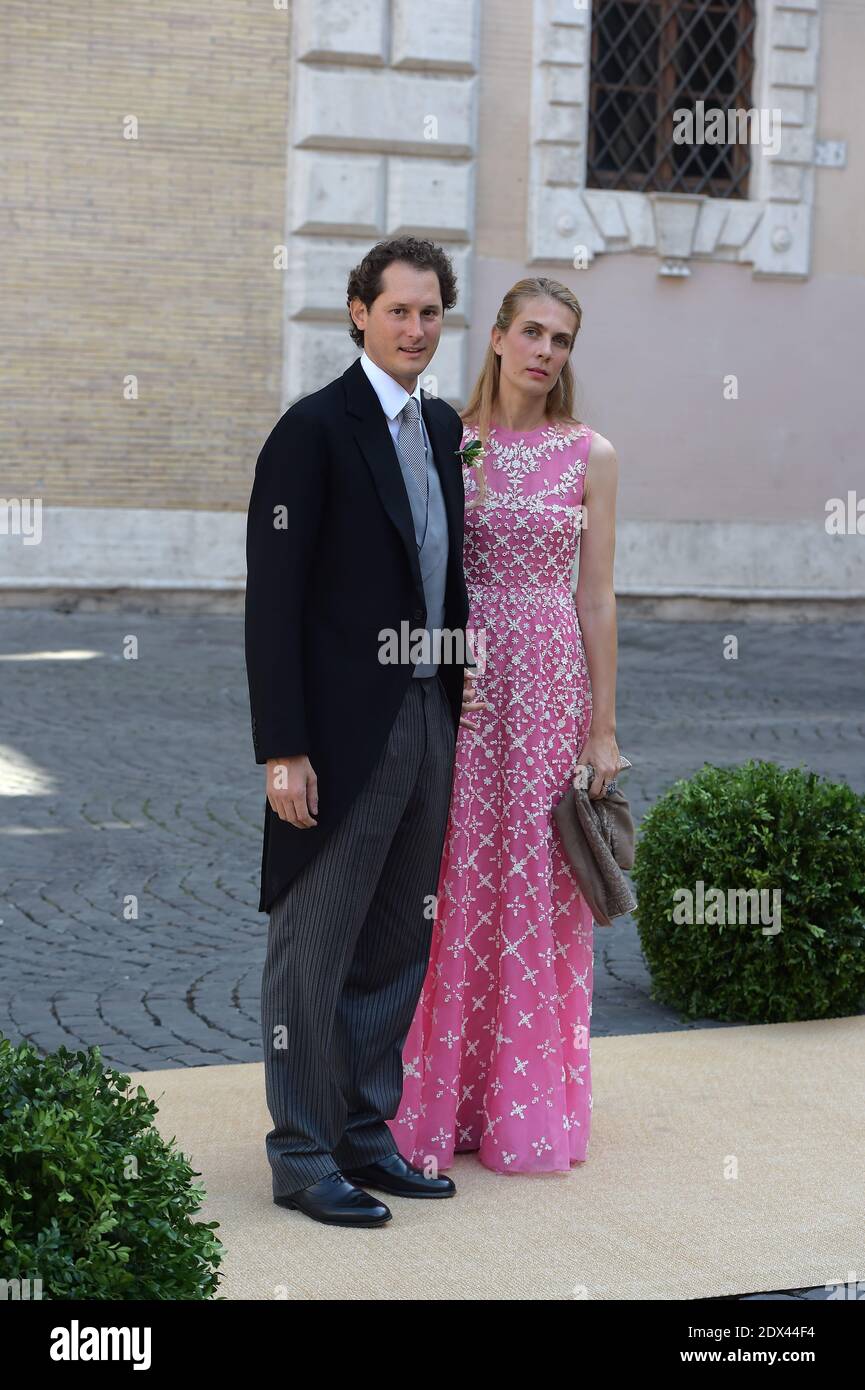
(393, 397)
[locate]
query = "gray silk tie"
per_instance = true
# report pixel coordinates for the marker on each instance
(410, 447)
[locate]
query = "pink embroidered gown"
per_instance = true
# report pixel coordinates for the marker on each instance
(497, 1057)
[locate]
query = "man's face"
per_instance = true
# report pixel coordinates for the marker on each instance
(403, 325)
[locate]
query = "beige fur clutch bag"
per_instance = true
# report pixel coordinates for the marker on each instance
(598, 838)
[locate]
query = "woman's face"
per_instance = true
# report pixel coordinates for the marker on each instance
(537, 345)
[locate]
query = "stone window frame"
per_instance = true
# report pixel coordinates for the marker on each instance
(770, 230)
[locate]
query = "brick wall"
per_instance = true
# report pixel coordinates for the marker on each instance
(151, 256)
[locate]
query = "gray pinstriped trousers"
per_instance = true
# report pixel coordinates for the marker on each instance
(347, 952)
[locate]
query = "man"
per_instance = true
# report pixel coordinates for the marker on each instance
(355, 527)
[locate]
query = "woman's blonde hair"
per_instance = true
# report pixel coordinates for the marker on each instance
(481, 405)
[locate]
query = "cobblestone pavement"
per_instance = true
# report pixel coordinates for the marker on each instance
(133, 781)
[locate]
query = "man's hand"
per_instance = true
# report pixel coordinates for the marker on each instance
(292, 790)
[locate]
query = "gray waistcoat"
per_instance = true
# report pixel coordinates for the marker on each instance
(431, 535)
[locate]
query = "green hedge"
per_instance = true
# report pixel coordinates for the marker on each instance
(763, 827)
(93, 1201)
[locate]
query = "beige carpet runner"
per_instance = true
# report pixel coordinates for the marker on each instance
(722, 1160)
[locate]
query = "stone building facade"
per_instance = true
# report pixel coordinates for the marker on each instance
(189, 187)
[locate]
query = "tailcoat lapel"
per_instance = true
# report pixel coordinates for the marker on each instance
(374, 439)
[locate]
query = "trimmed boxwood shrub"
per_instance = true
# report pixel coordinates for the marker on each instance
(94, 1203)
(762, 827)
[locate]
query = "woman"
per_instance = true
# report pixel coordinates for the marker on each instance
(497, 1056)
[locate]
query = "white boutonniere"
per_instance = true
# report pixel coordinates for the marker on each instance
(472, 455)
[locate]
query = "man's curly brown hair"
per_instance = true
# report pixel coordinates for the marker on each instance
(364, 282)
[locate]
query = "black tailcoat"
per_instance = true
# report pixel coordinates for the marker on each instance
(341, 566)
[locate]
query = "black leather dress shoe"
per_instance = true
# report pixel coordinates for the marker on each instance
(337, 1202)
(395, 1174)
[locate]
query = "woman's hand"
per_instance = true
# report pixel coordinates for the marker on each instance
(602, 751)
(470, 701)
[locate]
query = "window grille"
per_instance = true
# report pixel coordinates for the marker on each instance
(650, 58)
